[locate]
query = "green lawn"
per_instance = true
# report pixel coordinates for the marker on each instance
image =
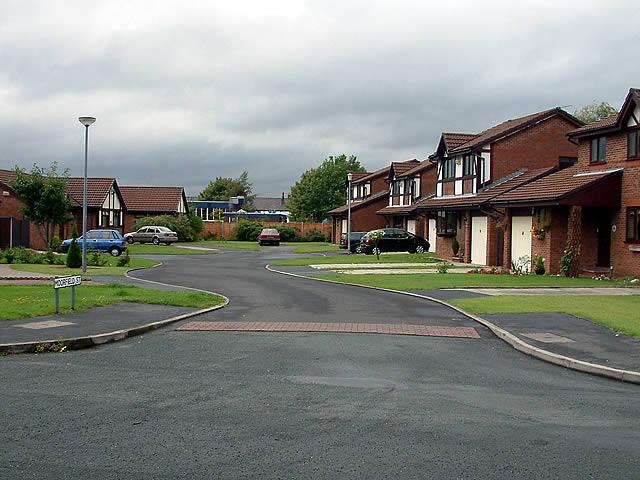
(312, 247)
(431, 281)
(619, 313)
(349, 259)
(150, 249)
(110, 269)
(226, 244)
(25, 301)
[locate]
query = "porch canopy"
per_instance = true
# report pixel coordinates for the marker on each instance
(357, 204)
(406, 210)
(595, 188)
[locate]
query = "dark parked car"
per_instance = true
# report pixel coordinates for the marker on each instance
(395, 240)
(152, 234)
(102, 241)
(354, 244)
(269, 236)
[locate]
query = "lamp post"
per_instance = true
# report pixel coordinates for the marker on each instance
(87, 122)
(349, 180)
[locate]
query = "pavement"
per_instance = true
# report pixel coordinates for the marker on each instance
(588, 291)
(227, 404)
(6, 272)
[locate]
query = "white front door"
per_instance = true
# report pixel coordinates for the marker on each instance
(479, 240)
(521, 239)
(432, 235)
(344, 226)
(411, 226)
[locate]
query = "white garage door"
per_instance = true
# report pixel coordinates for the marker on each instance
(479, 240)
(432, 235)
(520, 237)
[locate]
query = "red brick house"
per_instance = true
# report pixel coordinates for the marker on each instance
(145, 201)
(410, 182)
(104, 207)
(472, 169)
(369, 193)
(597, 200)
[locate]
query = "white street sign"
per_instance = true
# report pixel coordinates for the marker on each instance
(62, 282)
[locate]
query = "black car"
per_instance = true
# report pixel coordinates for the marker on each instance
(354, 244)
(395, 240)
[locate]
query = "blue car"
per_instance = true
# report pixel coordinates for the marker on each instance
(110, 241)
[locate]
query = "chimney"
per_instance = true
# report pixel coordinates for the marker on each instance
(282, 199)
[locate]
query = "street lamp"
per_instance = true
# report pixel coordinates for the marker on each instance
(349, 180)
(87, 122)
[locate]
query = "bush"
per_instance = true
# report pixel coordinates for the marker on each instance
(124, 259)
(455, 246)
(24, 255)
(538, 267)
(74, 255)
(97, 260)
(9, 255)
(54, 244)
(314, 235)
(248, 231)
(50, 257)
(287, 234)
(187, 228)
(443, 267)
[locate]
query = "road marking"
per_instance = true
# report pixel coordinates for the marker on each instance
(392, 329)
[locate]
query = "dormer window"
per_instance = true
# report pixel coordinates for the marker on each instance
(599, 150)
(467, 165)
(448, 168)
(634, 144)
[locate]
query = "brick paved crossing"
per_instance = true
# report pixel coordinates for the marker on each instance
(402, 329)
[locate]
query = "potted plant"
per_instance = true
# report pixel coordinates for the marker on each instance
(455, 247)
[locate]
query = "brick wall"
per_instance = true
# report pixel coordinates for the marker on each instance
(538, 146)
(227, 230)
(10, 206)
(552, 246)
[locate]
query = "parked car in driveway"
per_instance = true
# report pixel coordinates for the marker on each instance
(152, 234)
(395, 240)
(110, 241)
(354, 243)
(269, 236)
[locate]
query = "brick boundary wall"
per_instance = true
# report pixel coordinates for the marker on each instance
(227, 230)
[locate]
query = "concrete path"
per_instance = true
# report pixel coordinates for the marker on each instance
(587, 291)
(190, 247)
(6, 273)
(395, 271)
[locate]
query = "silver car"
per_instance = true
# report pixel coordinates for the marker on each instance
(152, 234)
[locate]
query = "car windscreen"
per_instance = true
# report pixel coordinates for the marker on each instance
(269, 231)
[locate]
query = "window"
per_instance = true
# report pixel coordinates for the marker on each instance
(634, 144)
(446, 223)
(395, 188)
(633, 224)
(467, 165)
(448, 168)
(105, 218)
(116, 218)
(407, 187)
(599, 150)
(482, 170)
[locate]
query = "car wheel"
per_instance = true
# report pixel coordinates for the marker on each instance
(130, 240)
(156, 241)
(358, 249)
(420, 249)
(115, 252)
(377, 251)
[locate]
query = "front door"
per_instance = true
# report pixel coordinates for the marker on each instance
(432, 234)
(603, 228)
(479, 240)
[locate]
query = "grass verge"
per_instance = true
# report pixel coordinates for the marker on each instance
(226, 244)
(109, 269)
(25, 301)
(618, 313)
(363, 259)
(312, 247)
(432, 281)
(150, 249)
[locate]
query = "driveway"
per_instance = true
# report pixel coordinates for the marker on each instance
(175, 404)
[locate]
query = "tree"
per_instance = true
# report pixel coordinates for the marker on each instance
(594, 111)
(74, 255)
(322, 189)
(44, 195)
(223, 188)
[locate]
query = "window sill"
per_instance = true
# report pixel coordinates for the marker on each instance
(634, 247)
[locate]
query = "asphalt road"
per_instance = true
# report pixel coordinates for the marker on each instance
(282, 405)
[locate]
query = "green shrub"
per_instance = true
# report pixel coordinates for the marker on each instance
(97, 260)
(455, 246)
(124, 259)
(287, 234)
(54, 244)
(248, 231)
(443, 267)
(314, 235)
(9, 255)
(50, 257)
(24, 255)
(197, 225)
(538, 267)
(74, 255)
(181, 224)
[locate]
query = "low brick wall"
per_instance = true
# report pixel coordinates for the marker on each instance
(219, 230)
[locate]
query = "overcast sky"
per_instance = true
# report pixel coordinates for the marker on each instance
(185, 91)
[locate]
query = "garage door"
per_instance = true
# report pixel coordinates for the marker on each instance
(520, 237)
(479, 240)
(432, 235)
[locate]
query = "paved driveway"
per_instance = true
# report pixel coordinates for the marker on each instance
(309, 405)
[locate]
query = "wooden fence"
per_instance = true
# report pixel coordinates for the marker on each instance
(220, 230)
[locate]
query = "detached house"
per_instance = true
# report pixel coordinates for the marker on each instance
(369, 193)
(594, 205)
(473, 169)
(146, 201)
(410, 182)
